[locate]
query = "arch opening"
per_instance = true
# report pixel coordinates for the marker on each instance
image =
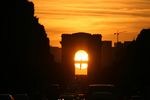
(81, 62)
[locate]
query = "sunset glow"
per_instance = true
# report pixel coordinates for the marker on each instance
(81, 55)
(93, 16)
(81, 62)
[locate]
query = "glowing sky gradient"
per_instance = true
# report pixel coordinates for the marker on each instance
(93, 16)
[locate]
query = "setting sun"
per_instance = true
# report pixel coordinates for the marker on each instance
(81, 62)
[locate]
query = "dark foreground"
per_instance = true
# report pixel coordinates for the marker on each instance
(75, 92)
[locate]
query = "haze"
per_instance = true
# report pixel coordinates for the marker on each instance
(93, 16)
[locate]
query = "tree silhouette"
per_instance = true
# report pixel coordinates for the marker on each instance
(27, 63)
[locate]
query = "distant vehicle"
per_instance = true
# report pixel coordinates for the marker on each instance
(101, 92)
(136, 97)
(21, 97)
(67, 97)
(6, 97)
(81, 96)
(101, 87)
(101, 96)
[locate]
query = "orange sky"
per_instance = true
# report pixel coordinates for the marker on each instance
(93, 16)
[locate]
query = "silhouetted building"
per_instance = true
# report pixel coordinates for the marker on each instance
(118, 44)
(107, 44)
(135, 66)
(56, 52)
(71, 43)
(127, 43)
(107, 54)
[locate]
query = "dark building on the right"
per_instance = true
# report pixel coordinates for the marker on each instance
(133, 66)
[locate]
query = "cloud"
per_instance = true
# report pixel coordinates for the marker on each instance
(99, 12)
(65, 16)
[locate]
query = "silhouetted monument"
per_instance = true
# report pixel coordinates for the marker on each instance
(71, 43)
